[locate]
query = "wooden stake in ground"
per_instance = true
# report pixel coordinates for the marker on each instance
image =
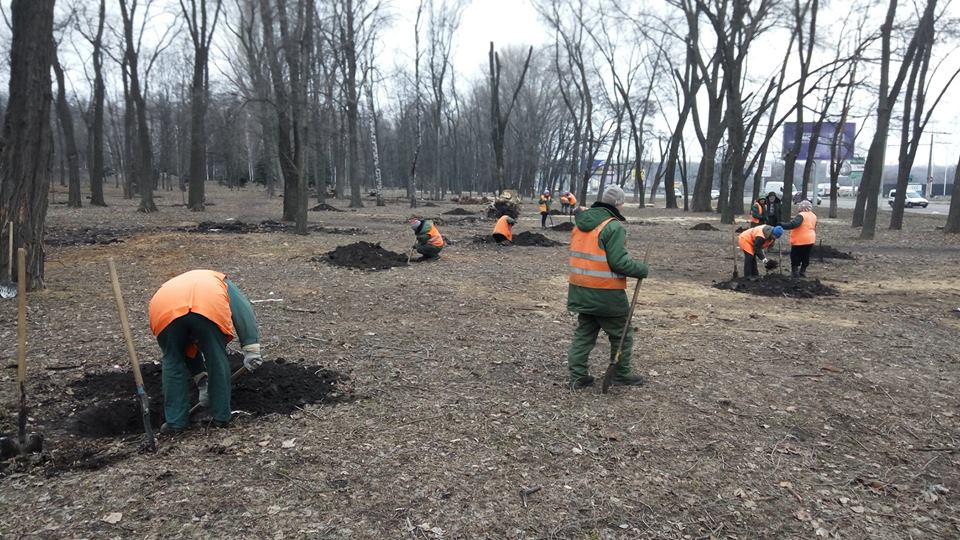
(22, 345)
(151, 443)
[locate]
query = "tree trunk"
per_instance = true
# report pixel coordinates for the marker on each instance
(285, 155)
(953, 218)
(198, 132)
(96, 163)
(69, 139)
(25, 151)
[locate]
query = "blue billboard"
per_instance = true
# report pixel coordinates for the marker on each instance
(845, 141)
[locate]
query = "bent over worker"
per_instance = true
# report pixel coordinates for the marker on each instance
(503, 230)
(802, 238)
(753, 241)
(599, 268)
(201, 309)
(572, 202)
(429, 241)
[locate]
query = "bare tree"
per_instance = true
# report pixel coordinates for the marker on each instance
(418, 103)
(499, 117)
(953, 218)
(96, 167)
(69, 138)
(25, 150)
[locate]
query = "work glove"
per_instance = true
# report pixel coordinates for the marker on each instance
(251, 357)
(765, 260)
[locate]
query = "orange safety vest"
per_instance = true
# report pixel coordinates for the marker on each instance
(747, 238)
(573, 200)
(564, 199)
(435, 239)
(203, 292)
(753, 219)
(543, 204)
(806, 233)
(504, 228)
(588, 261)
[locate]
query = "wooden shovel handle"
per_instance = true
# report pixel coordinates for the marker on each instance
(21, 316)
(122, 310)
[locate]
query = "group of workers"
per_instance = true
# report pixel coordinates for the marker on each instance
(568, 205)
(194, 315)
(766, 228)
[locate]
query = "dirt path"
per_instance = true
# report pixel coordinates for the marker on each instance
(764, 417)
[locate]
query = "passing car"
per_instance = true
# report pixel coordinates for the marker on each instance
(715, 194)
(912, 198)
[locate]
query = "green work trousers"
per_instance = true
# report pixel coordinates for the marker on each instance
(176, 375)
(585, 337)
(428, 251)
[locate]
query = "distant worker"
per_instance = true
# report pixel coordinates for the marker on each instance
(429, 242)
(201, 311)
(772, 208)
(803, 236)
(753, 241)
(545, 202)
(564, 203)
(503, 230)
(599, 268)
(756, 212)
(572, 202)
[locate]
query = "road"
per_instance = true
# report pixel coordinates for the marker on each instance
(935, 207)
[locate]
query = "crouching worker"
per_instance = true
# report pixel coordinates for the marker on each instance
(503, 230)
(753, 241)
(429, 242)
(200, 311)
(599, 268)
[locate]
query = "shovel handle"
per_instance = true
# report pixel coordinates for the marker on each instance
(125, 323)
(21, 315)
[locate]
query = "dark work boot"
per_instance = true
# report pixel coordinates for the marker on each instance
(583, 382)
(803, 271)
(795, 272)
(629, 380)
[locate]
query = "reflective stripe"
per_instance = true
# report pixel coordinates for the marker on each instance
(588, 256)
(595, 273)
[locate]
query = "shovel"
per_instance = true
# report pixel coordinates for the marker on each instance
(615, 361)
(24, 444)
(151, 443)
(236, 374)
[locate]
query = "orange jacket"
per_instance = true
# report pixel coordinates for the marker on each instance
(504, 227)
(748, 237)
(203, 292)
(588, 261)
(806, 233)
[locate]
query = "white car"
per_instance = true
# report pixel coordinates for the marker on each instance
(912, 199)
(715, 194)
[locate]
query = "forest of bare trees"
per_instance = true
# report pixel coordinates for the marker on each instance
(297, 98)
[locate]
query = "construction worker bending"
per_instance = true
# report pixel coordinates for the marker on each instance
(503, 230)
(599, 268)
(201, 311)
(429, 241)
(564, 203)
(753, 241)
(571, 202)
(545, 202)
(803, 235)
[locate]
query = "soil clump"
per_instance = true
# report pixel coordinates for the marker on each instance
(365, 256)
(58, 237)
(823, 251)
(778, 285)
(703, 227)
(565, 226)
(526, 238)
(324, 207)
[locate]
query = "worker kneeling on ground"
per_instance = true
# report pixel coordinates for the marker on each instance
(599, 268)
(503, 230)
(802, 238)
(429, 242)
(201, 310)
(753, 241)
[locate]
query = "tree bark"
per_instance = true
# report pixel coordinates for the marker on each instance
(69, 138)
(144, 162)
(953, 218)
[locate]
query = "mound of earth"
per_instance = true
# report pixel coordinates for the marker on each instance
(526, 238)
(324, 207)
(555, 212)
(823, 251)
(703, 227)
(778, 285)
(740, 229)
(365, 256)
(565, 226)
(56, 236)
(429, 204)
(108, 408)
(459, 212)
(266, 226)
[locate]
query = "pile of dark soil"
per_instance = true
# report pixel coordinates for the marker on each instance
(324, 207)
(555, 212)
(470, 200)
(778, 285)
(459, 212)
(740, 229)
(526, 238)
(429, 204)
(365, 256)
(823, 251)
(107, 406)
(565, 226)
(266, 226)
(85, 236)
(703, 227)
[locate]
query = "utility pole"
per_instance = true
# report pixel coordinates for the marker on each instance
(930, 169)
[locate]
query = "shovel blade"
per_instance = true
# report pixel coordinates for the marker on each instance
(608, 378)
(150, 444)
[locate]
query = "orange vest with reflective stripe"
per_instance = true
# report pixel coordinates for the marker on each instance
(504, 228)
(753, 219)
(747, 238)
(806, 233)
(572, 199)
(203, 292)
(435, 239)
(588, 261)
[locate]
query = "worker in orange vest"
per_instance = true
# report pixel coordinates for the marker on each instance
(599, 268)
(572, 202)
(429, 241)
(201, 310)
(756, 212)
(803, 235)
(564, 202)
(753, 241)
(503, 230)
(544, 207)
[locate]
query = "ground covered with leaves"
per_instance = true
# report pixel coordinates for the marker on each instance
(445, 412)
